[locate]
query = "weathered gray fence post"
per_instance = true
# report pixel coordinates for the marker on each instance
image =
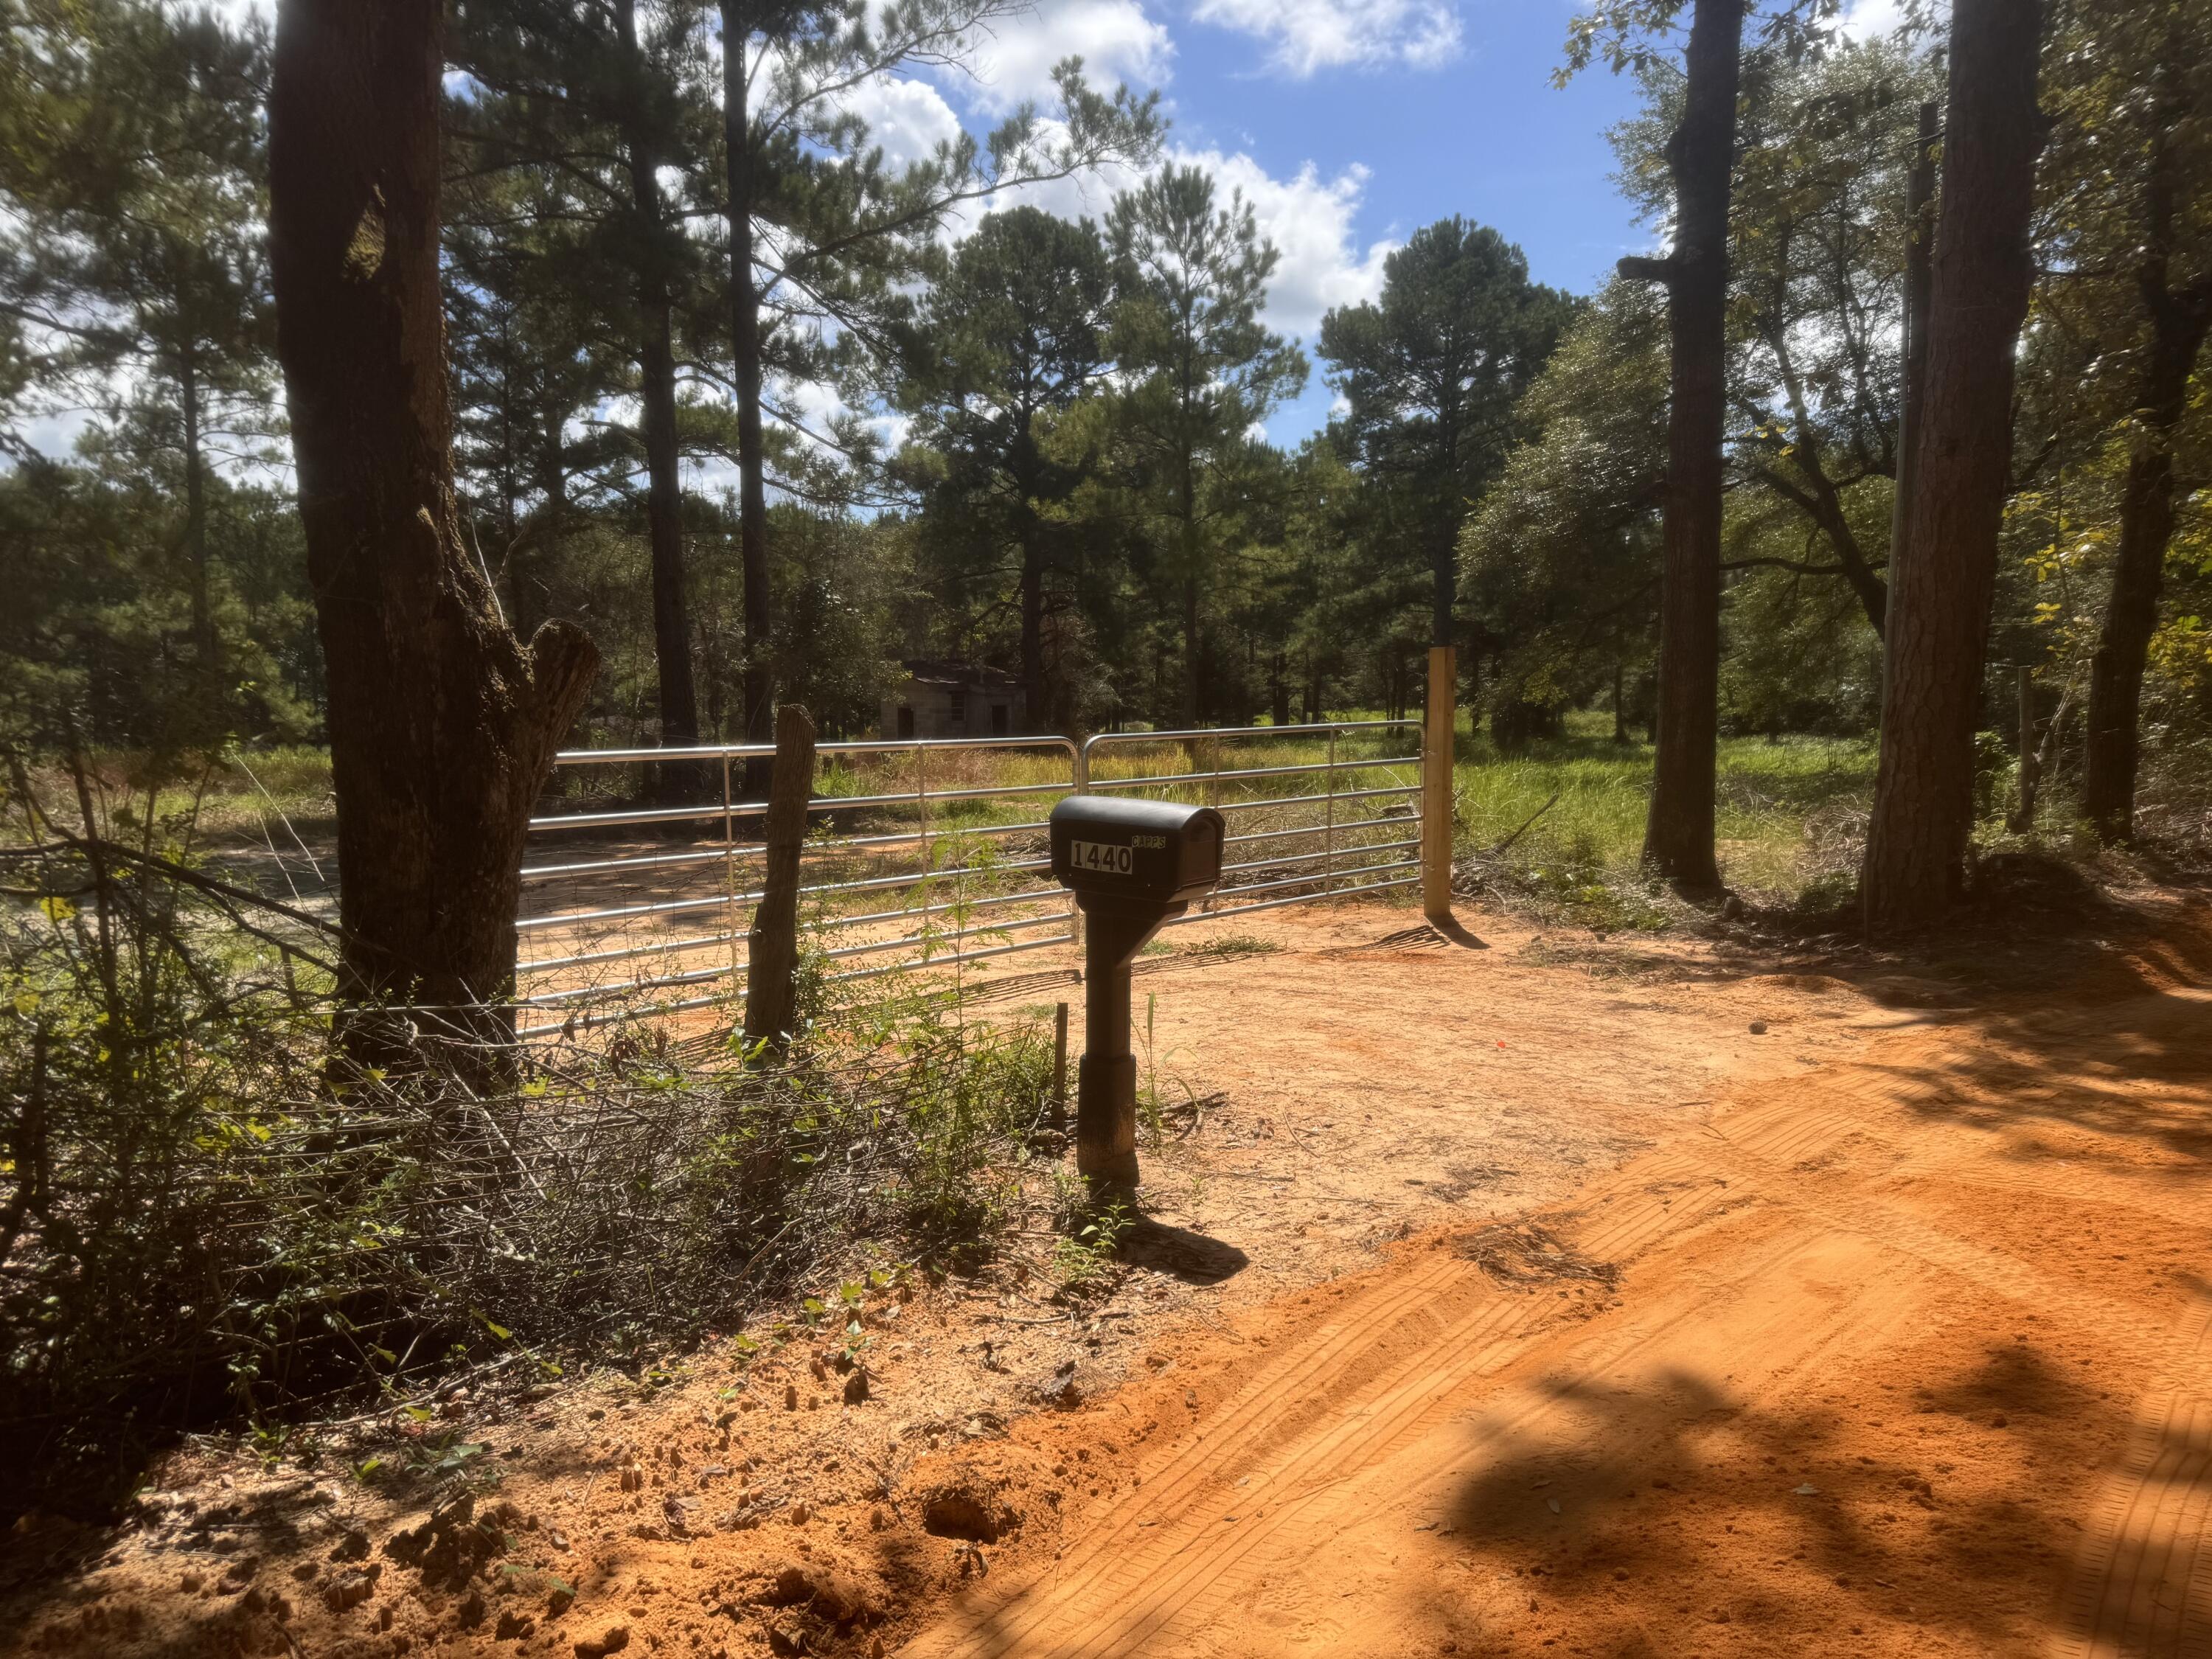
(772, 946)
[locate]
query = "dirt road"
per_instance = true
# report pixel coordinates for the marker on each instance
(1907, 1354)
(1504, 1294)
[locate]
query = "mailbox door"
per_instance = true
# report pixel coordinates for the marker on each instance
(1149, 852)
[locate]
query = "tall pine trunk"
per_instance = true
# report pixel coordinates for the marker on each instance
(743, 162)
(1678, 837)
(1029, 535)
(207, 663)
(1939, 615)
(1443, 581)
(2179, 321)
(443, 725)
(1919, 277)
(656, 373)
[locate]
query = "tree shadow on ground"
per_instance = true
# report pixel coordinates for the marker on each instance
(1649, 1482)
(2134, 1075)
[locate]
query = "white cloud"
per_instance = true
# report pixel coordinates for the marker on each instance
(1307, 36)
(909, 119)
(1864, 18)
(1309, 219)
(1013, 60)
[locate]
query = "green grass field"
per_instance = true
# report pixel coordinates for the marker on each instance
(1791, 812)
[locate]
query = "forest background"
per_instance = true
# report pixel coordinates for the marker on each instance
(984, 434)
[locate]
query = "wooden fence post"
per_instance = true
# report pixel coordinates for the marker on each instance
(1436, 721)
(772, 946)
(1059, 1066)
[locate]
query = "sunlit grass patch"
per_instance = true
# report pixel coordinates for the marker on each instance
(1789, 815)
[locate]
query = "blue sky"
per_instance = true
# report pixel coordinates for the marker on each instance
(1483, 133)
(1350, 123)
(1478, 131)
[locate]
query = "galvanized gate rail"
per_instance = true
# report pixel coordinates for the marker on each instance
(955, 898)
(1320, 872)
(946, 926)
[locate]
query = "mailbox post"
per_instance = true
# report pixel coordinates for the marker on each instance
(1132, 866)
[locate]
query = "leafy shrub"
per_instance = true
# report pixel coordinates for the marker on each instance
(198, 1224)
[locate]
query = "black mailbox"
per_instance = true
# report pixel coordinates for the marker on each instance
(1146, 852)
(1132, 866)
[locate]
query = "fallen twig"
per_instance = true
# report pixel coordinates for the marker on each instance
(1499, 849)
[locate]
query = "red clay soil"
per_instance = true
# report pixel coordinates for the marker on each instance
(1504, 1296)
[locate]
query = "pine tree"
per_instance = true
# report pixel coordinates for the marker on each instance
(1200, 369)
(2130, 230)
(1678, 839)
(601, 104)
(1010, 341)
(133, 261)
(1940, 611)
(442, 724)
(1432, 371)
(825, 235)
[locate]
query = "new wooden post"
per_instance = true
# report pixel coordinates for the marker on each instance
(772, 947)
(1436, 784)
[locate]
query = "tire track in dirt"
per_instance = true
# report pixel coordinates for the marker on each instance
(1409, 1387)
(1335, 1411)
(2141, 1584)
(1764, 1139)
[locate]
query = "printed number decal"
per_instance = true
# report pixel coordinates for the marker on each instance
(1097, 855)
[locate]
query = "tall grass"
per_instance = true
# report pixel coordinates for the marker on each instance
(1790, 812)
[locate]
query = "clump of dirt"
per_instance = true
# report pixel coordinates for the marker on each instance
(977, 1496)
(835, 1590)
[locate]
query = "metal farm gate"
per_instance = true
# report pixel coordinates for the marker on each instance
(923, 855)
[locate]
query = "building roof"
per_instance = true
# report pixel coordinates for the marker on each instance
(932, 671)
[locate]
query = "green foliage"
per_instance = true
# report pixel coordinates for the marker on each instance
(1559, 563)
(1431, 373)
(198, 1225)
(159, 599)
(1010, 342)
(1199, 370)
(1790, 813)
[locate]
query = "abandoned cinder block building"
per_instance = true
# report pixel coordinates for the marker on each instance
(951, 699)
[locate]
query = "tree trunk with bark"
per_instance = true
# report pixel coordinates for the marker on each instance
(1188, 503)
(1919, 275)
(1939, 619)
(443, 725)
(1678, 840)
(2179, 320)
(745, 345)
(1443, 582)
(207, 663)
(1029, 532)
(656, 373)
